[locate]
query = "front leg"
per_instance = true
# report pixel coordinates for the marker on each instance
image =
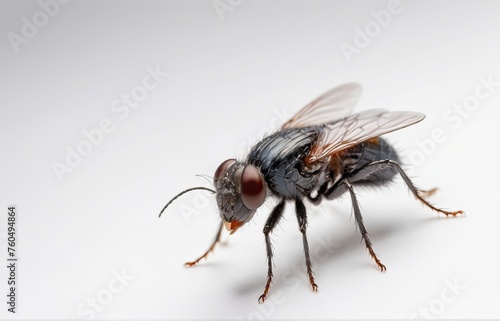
(210, 249)
(270, 224)
(300, 209)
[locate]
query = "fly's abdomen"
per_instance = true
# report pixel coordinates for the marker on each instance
(362, 154)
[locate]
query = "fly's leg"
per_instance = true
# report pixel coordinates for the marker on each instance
(343, 185)
(361, 225)
(271, 222)
(419, 194)
(300, 210)
(340, 187)
(210, 249)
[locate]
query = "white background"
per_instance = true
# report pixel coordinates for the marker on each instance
(230, 76)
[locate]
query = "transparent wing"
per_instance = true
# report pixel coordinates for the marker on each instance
(333, 105)
(357, 128)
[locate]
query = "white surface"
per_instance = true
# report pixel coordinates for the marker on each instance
(227, 82)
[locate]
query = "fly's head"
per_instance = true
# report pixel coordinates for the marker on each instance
(240, 191)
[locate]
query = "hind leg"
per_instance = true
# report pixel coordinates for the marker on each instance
(418, 193)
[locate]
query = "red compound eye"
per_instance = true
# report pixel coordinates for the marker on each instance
(253, 189)
(221, 169)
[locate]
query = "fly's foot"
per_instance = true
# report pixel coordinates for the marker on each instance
(193, 263)
(263, 296)
(381, 266)
(312, 281)
(313, 285)
(190, 264)
(454, 213)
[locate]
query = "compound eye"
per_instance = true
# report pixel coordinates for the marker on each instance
(253, 189)
(222, 169)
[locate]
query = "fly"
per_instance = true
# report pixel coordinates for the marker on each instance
(322, 152)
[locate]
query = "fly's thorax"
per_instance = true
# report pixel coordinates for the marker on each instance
(281, 158)
(240, 190)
